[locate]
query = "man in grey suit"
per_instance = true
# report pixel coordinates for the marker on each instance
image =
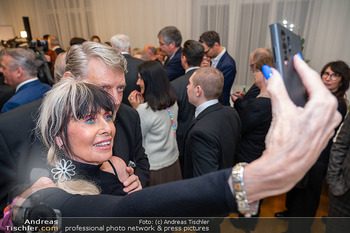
(212, 137)
(191, 58)
(122, 43)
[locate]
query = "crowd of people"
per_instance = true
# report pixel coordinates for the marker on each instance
(122, 125)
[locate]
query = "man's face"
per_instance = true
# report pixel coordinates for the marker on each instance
(11, 76)
(112, 81)
(167, 49)
(191, 91)
(209, 51)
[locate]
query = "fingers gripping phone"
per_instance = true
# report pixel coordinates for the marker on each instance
(285, 44)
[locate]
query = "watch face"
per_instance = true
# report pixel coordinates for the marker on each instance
(238, 186)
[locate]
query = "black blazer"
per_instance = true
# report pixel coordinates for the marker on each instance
(252, 93)
(6, 92)
(23, 155)
(227, 66)
(131, 76)
(186, 109)
(173, 66)
(59, 50)
(211, 140)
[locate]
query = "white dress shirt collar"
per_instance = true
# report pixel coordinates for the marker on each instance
(215, 61)
(204, 105)
(25, 82)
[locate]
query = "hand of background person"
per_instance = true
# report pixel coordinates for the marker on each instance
(240, 94)
(125, 174)
(135, 99)
(296, 137)
(234, 97)
(205, 61)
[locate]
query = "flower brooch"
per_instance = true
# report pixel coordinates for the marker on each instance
(64, 170)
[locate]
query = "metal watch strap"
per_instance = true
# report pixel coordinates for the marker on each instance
(245, 208)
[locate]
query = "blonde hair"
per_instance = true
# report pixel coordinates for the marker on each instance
(69, 100)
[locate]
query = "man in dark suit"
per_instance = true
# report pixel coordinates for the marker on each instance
(22, 154)
(213, 135)
(221, 60)
(20, 68)
(170, 40)
(191, 58)
(122, 43)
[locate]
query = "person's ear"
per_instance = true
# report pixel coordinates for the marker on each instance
(58, 141)
(19, 71)
(199, 91)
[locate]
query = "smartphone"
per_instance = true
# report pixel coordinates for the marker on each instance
(285, 44)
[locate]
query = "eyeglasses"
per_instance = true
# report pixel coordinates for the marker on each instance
(256, 71)
(161, 43)
(206, 52)
(333, 76)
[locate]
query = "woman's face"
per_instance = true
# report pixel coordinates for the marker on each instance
(330, 80)
(259, 79)
(91, 139)
(141, 83)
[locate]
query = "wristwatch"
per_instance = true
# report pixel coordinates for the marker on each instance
(245, 208)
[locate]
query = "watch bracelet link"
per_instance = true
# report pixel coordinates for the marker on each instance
(244, 207)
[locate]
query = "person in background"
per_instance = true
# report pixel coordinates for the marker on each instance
(158, 110)
(212, 137)
(54, 45)
(76, 40)
(205, 61)
(221, 60)
(95, 38)
(20, 68)
(142, 55)
(240, 99)
(151, 52)
(255, 117)
(170, 40)
(160, 56)
(122, 43)
(191, 57)
(338, 178)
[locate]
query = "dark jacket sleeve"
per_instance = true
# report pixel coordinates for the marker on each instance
(228, 68)
(207, 195)
(338, 174)
(128, 142)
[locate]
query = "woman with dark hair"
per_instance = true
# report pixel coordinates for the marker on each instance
(336, 76)
(157, 107)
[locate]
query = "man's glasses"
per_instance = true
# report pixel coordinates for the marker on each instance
(206, 52)
(333, 76)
